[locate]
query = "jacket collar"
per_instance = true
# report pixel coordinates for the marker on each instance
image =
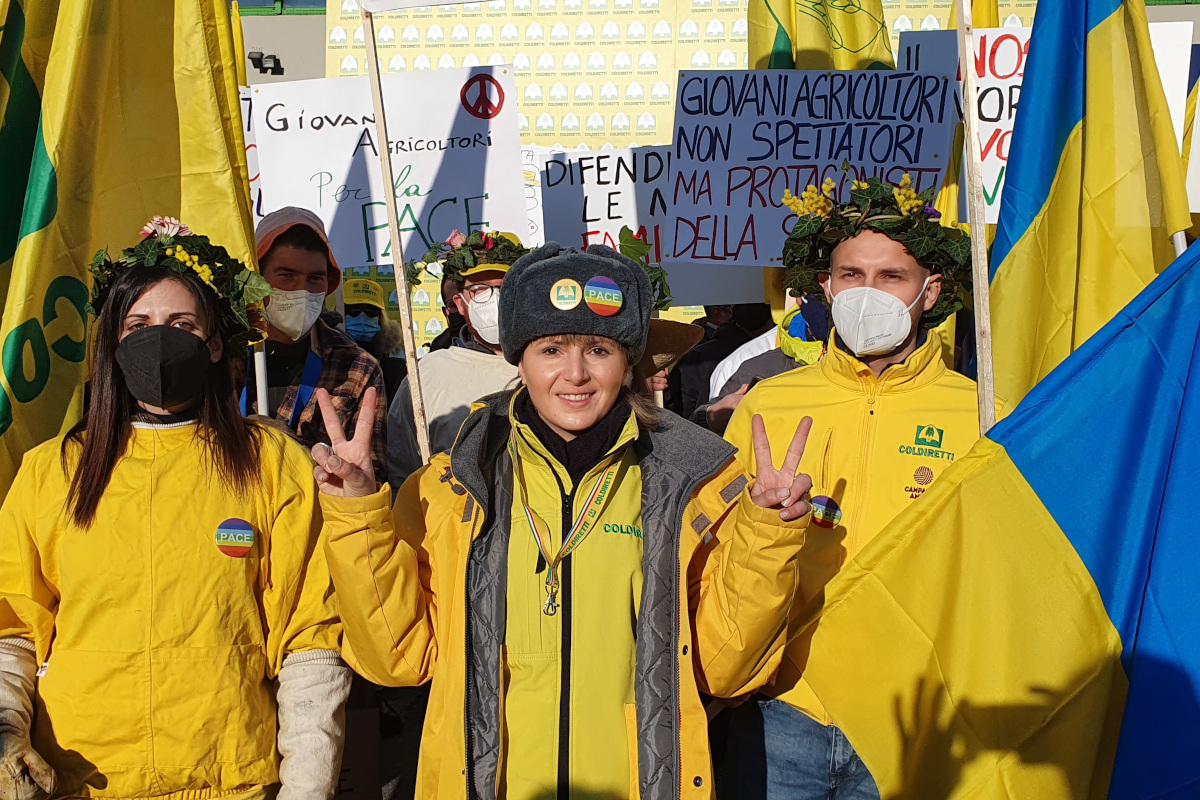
(922, 368)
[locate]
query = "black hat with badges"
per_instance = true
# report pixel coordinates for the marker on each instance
(555, 290)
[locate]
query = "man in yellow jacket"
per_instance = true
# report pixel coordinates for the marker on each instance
(888, 418)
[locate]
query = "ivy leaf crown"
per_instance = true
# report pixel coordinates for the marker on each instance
(461, 252)
(898, 212)
(168, 243)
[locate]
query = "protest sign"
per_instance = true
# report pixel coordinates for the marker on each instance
(251, 155)
(590, 195)
(1000, 58)
(456, 158)
(531, 176)
(742, 138)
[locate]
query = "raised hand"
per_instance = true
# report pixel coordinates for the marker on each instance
(780, 488)
(345, 469)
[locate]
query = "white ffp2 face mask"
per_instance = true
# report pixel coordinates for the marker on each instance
(872, 322)
(484, 316)
(293, 313)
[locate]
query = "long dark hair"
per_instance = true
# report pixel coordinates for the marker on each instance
(231, 444)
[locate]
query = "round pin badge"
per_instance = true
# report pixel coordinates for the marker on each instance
(565, 294)
(603, 296)
(826, 512)
(234, 537)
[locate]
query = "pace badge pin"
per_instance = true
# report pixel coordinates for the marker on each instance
(603, 296)
(565, 294)
(826, 512)
(234, 537)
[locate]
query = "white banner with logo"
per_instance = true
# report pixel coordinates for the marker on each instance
(456, 157)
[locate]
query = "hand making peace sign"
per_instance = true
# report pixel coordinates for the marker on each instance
(780, 488)
(345, 469)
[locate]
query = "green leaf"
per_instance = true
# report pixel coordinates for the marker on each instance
(632, 247)
(807, 226)
(255, 288)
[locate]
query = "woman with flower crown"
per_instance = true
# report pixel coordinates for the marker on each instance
(161, 587)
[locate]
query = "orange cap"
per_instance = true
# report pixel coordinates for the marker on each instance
(273, 226)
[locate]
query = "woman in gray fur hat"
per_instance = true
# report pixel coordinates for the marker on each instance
(576, 570)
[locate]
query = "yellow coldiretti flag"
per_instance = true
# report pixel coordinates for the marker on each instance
(112, 112)
(1094, 188)
(984, 14)
(818, 34)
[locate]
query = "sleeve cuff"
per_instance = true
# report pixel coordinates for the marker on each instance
(347, 515)
(768, 516)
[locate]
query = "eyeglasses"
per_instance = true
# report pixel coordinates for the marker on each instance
(481, 292)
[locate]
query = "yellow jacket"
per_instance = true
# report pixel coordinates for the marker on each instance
(159, 649)
(444, 587)
(876, 445)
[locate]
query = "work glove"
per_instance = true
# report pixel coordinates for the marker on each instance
(24, 775)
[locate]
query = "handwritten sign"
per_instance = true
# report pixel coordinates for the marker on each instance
(590, 195)
(456, 157)
(742, 138)
(1001, 55)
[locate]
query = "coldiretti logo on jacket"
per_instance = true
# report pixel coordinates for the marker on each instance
(928, 443)
(929, 436)
(624, 530)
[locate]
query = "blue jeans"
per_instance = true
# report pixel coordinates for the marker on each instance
(778, 753)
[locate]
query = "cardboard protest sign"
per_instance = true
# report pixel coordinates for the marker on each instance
(1000, 58)
(456, 157)
(590, 195)
(251, 154)
(742, 138)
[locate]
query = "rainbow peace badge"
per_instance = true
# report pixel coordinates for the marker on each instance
(234, 537)
(603, 296)
(826, 512)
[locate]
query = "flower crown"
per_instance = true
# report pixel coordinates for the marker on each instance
(461, 252)
(169, 243)
(899, 213)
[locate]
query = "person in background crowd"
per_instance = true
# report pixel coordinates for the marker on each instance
(303, 351)
(454, 320)
(687, 385)
(453, 379)
(577, 569)
(816, 329)
(796, 348)
(373, 329)
(714, 317)
(161, 564)
(888, 418)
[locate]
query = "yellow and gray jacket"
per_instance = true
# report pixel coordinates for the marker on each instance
(444, 588)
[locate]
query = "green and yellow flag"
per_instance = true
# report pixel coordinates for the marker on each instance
(110, 113)
(818, 34)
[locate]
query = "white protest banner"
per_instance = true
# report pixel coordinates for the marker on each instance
(251, 154)
(456, 157)
(590, 195)
(531, 176)
(1000, 57)
(743, 137)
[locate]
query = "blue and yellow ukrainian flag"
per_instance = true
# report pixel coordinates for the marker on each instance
(1030, 627)
(110, 113)
(1094, 189)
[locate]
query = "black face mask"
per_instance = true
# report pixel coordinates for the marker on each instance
(164, 366)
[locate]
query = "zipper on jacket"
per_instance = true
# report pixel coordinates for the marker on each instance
(564, 698)
(468, 735)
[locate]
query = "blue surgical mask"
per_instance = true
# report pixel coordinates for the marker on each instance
(362, 328)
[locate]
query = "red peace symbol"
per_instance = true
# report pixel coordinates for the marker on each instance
(481, 87)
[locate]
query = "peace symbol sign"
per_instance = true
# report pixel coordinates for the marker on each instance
(476, 96)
